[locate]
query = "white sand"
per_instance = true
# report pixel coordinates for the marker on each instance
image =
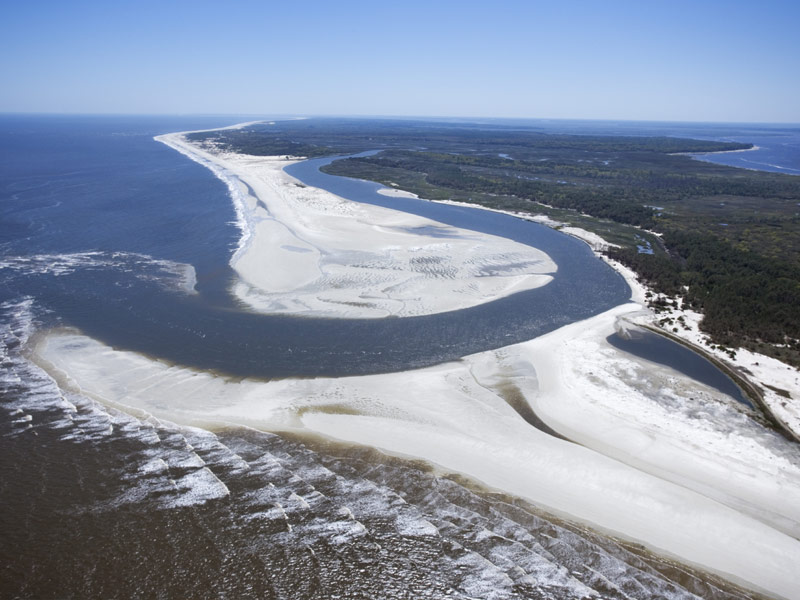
(395, 193)
(765, 372)
(306, 251)
(596, 243)
(663, 461)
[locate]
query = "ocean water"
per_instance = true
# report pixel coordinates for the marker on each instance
(778, 145)
(106, 230)
(777, 150)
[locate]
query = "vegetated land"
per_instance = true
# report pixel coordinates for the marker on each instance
(729, 239)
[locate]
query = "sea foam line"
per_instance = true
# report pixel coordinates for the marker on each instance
(244, 217)
(65, 264)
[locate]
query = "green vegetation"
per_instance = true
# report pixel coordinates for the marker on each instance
(246, 141)
(728, 240)
(747, 299)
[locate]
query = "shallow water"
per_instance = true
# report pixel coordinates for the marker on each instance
(657, 348)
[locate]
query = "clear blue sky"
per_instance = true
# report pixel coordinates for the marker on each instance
(641, 60)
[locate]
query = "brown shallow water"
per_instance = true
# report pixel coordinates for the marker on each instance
(97, 503)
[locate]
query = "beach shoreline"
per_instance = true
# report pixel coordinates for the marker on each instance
(305, 251)
(754, 147)
(772, 378)
(456, 416)
(659, 460)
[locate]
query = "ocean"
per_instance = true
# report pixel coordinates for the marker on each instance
(777, 145)
(105, 230)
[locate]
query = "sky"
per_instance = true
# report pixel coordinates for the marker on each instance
(731, 61)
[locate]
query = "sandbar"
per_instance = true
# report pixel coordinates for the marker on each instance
(305, 251)
(661, 460)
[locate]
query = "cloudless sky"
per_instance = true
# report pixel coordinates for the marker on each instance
(640, 60)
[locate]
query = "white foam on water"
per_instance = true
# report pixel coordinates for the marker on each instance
(236, 190)
(313, 505)
(154, 466)
(198, 487)
(172, 275)
(415, 527)
(37, 402)
(483, 579)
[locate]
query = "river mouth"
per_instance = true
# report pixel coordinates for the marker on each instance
(132, 303)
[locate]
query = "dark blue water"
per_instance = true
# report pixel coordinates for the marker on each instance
(75, 184)
(94, 218)
(72, 185)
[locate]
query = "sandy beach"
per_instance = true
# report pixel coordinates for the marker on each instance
(308, 252)
(717, 152)
(654, 457)
(778, 383)
(680, 470)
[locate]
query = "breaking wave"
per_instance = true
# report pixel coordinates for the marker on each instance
(172, 275)
(244, 218)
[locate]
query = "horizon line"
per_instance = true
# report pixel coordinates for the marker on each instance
(468, 119)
